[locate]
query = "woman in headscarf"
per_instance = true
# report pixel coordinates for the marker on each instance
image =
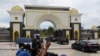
(25, 51)
(21, 48)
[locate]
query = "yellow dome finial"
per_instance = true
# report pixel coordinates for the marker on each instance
(73, 10)
(16, 8)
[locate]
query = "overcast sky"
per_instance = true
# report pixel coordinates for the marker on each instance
(89, 8)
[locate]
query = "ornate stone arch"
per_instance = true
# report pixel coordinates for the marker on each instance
(48, 17)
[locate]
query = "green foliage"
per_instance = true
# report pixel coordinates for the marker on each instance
(47, 32)
(98, 26)
(50, 31)
(8, 29)
(44, 33)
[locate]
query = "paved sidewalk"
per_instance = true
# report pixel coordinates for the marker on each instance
(12, 46)
(8, 45)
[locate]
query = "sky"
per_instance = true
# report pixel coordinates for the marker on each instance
(44, 25)
(89, 8)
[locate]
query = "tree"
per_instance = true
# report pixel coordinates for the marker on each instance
(50, 31)
(98, 26)
(98, 31)
(8, 28)
(47, 32)
(44, 33)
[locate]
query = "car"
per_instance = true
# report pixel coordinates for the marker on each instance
(85, 45)
(48, 39)
(62, 40)
(54, 39)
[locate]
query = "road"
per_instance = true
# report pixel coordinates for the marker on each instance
(71, 52)
(68, 52)
(6, 49)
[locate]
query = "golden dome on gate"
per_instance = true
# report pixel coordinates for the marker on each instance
(73, 10)
(16, 8)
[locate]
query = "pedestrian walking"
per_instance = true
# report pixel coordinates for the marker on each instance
(21, 48)
(25, 51)
(34, 46)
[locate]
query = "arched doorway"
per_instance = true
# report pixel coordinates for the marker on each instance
(46, 29)
(28, 36)
(51, 18)
(59, 33)
(16, 35)
(76, 35)
(67, 36)
(55, 20)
